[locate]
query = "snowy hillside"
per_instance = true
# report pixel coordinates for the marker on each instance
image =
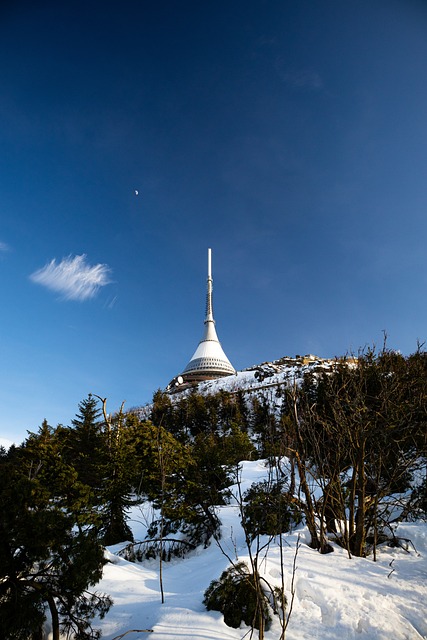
(4, 442)
(336, 598)
(264, 376)
(261, 379)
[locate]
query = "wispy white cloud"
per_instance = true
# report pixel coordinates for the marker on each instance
(306, 79)
(73, 278)
(3, 246)
(110, 303)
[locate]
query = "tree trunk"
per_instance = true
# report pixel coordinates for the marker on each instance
(309, 508)
(292, 481)
(360, 534)
(54, 616)
(260, 604)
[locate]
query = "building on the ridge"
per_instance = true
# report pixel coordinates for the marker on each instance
(209, 360)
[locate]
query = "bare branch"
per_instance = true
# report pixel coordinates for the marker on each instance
(132, 631)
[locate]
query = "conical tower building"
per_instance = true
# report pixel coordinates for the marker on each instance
(209, 360)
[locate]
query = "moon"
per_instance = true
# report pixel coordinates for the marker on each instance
(136, 192)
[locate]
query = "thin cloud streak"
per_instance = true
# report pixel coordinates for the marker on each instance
(304, 79)
(3, 246)
(73, 278)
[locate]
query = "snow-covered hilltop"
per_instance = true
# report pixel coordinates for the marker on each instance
(6, 443)
(261, 377)
(267, 374)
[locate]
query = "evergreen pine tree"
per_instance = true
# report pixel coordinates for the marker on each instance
(117, 478)
(85, 443)
(46, 563)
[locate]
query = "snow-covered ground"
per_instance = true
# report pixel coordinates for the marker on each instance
(336, 598)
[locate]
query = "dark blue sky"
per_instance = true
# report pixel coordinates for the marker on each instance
(291, 137)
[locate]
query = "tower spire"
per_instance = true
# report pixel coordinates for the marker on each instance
(209, 308)
(209, 360)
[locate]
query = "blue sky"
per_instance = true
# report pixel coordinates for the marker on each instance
(291, 137)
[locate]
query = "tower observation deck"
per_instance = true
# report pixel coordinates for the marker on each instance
(209, 360)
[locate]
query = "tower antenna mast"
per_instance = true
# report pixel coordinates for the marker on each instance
(209, 308)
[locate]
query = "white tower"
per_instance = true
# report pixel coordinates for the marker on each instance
(209, 360)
